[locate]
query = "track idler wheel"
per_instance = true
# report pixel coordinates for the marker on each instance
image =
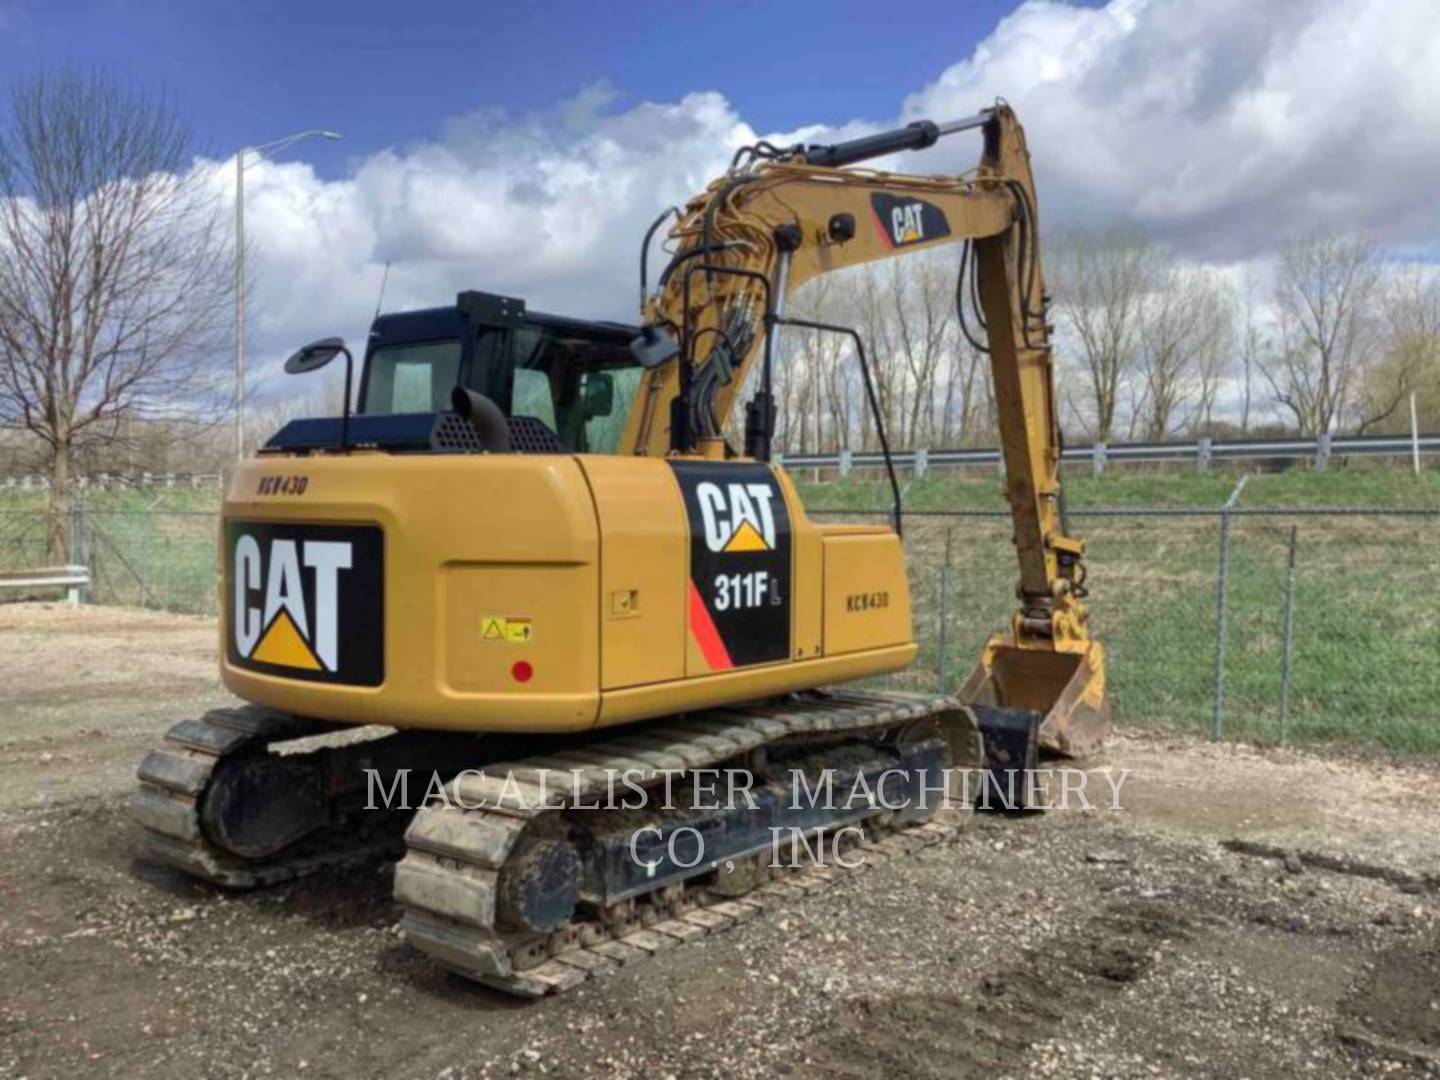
(256, 807)
(539, 886)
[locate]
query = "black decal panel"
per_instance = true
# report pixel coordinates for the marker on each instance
(904, 220)
(739, 603)
(305, 601)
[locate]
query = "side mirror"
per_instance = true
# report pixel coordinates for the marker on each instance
(599, 395)
(314, 356)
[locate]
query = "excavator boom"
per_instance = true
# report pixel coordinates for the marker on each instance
(781, 218)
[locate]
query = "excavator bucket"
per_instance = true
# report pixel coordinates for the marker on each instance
(1067, 689)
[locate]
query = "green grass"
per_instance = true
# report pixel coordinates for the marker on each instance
(1367, 612)
(1366, 670)
(1368, 484)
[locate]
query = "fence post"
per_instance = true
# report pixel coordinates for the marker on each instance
(1222, 578)
(1097, 459)
(1322, 451)
(777, 457)
(1414, 437)
(145, 558)
(845, 461)
(76, 545)
(922, 461)
(1289, 649)
(1202, 459)
(944, 612)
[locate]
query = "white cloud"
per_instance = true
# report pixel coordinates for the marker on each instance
(1220, 126)
(550, 208)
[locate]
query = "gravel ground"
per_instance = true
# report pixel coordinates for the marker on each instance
(1248, 912)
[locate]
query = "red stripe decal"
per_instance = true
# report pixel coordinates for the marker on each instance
(706, 636)
(884, 232)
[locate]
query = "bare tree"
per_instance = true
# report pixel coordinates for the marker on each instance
(113, 264)
(1100, 282)
(921, 290)
(1181, 332)
(1252, 343)
(1325, 287)
(864, 296)
(1214, 352)
(1409, 360)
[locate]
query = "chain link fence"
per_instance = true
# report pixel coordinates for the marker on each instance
(1358, 618)
(162, 559)
(1346, 648)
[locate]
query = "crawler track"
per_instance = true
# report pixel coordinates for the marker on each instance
(452, 878)
(177, 777)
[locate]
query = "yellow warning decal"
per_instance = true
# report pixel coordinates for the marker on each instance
(746, 538)
(512, 628)
(283, 645)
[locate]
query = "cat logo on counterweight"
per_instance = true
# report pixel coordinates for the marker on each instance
(303, 601)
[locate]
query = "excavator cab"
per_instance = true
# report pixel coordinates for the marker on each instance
(556, 379)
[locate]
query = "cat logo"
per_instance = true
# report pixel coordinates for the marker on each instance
(305, 601)
(737, 517)
(907, 224)
(904, 221)
(738, 610)
(280, 631)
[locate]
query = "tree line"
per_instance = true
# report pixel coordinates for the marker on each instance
(1148, 346)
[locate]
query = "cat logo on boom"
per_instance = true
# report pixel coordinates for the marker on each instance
(907, 221)
(304, 601)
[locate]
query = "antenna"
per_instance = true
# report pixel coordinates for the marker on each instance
(384, 278)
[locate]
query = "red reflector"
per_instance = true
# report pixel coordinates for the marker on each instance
(521, 671)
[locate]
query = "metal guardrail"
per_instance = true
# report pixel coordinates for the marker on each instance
(70, 577)
(1202, 451)
(114, 481)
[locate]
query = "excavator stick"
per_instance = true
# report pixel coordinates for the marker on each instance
(1065, 688)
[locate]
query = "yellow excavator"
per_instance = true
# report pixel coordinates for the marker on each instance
(506, 580)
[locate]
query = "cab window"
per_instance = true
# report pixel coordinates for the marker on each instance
(412, 377)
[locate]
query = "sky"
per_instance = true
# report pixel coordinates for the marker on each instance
(388, 75)
(523, 148)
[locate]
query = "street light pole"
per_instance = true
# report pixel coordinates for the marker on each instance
(240, 305)
(263, 151)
